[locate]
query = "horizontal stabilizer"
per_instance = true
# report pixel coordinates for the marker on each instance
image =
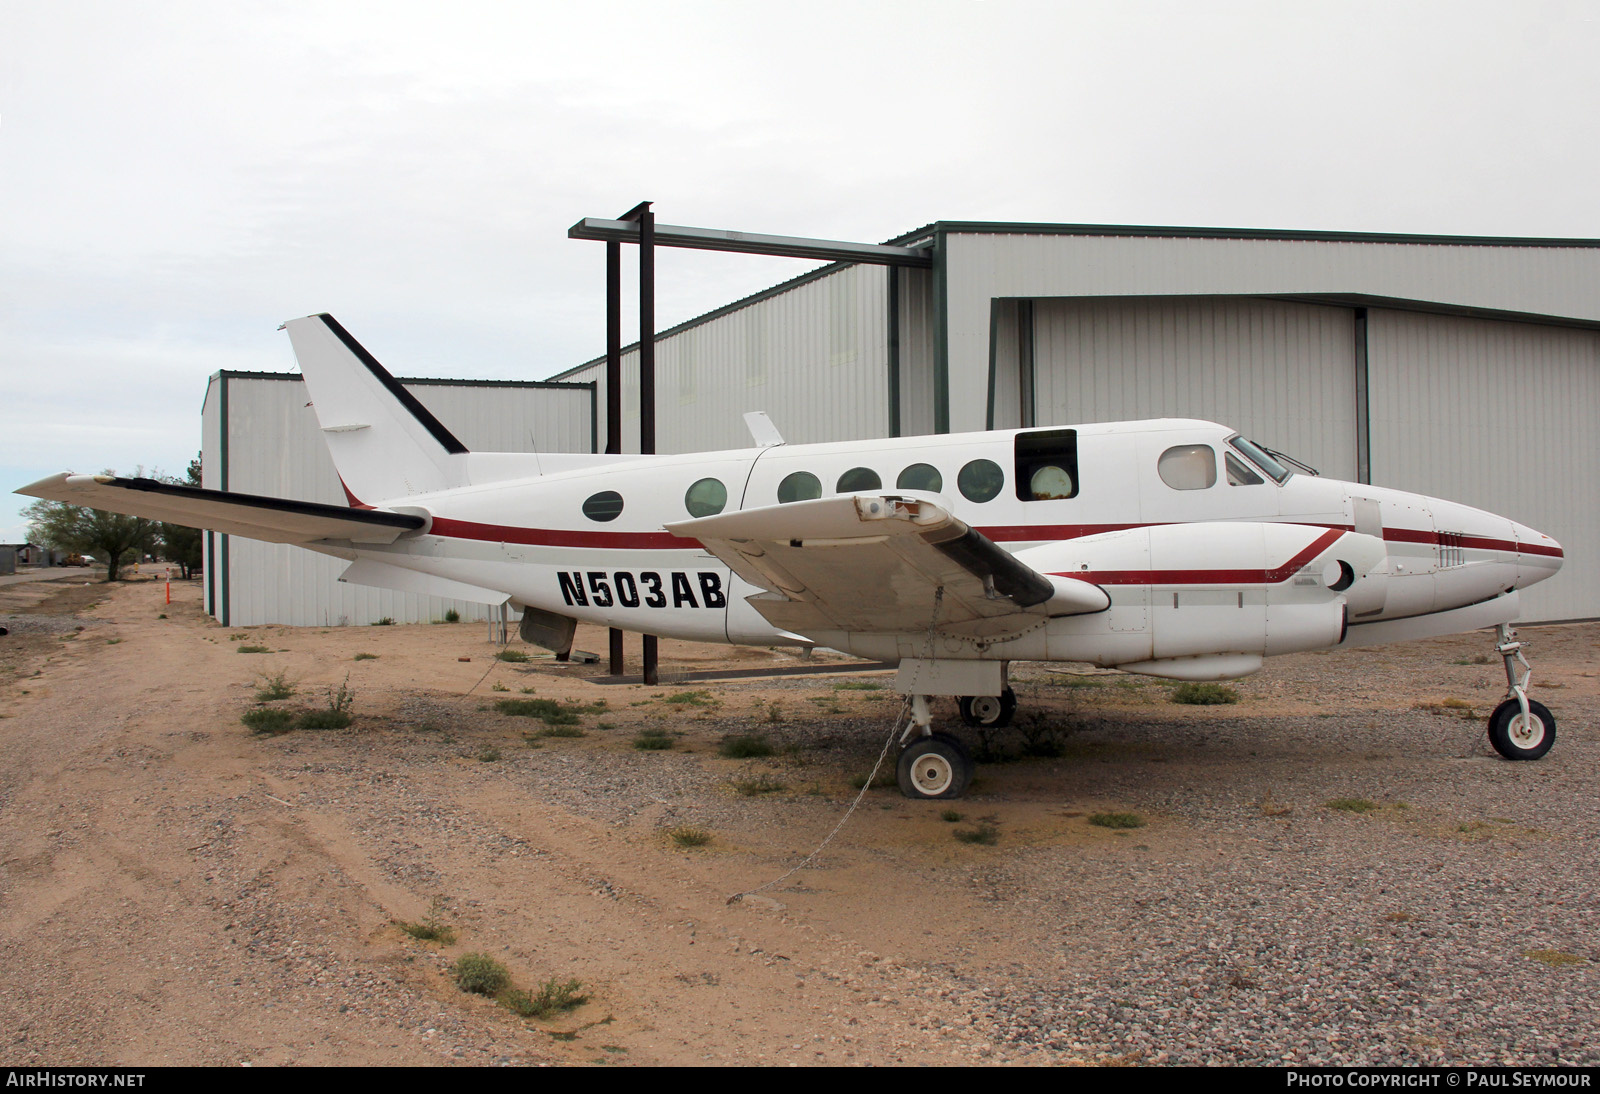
(275, 520)
(383, 576)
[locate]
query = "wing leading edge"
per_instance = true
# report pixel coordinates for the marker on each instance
(275, 520)
(882, 564)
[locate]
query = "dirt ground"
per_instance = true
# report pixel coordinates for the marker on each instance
(176, 889)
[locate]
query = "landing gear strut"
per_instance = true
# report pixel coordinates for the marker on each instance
(932, 766)
(1519, 728)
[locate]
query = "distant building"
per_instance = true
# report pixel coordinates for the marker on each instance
(259, 436)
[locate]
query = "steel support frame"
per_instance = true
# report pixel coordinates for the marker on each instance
(646, 221)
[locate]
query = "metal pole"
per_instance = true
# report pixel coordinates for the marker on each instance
(647, 376)
(614, 390)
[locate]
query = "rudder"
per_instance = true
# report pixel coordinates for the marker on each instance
(385, 444)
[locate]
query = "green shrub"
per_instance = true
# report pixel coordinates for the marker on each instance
(950, 816)
(274, 687)
(688, 836)
(268, 720)
(253, 649)
(1204, 695)
(985, 834)
(761, 784)
(748, 747)
(384, 622)
(692, 698)
(511, 655)
(365, 657)
(452, 616)
(653, 740)
(432, 928)
(548, 711)
(1353, 805)
(480, 973)
(337, 715)
(1116, 820)
(554, 997)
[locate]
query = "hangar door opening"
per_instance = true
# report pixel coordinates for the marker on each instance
(1282, 373)
(1501, 416)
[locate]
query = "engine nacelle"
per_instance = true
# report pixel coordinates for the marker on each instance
(1247, 588)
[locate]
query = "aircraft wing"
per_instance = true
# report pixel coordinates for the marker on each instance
(275, 520)
(877, 564)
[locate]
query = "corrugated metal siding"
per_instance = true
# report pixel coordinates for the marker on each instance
(275, 448)
(1557, 281)
(211, 479)
(1005, 388)
(814, 357)
(916, 352)
(1502, 416)
(1283, 374)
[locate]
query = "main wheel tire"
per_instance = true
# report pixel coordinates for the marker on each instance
(1519, 738)
(988, 711)
(934, 768)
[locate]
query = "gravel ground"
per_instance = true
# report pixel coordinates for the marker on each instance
(173, 889)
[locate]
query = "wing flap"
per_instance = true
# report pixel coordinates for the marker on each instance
(876, 564)
(275, 520)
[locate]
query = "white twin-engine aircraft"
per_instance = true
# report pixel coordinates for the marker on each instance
(1173, 548)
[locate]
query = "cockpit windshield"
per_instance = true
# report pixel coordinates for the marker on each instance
(1258, 456)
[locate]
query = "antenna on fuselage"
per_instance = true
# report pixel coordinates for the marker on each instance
(762, 431)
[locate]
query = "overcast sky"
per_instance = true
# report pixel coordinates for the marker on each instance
(177, 179)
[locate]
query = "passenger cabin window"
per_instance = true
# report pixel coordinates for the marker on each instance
(920, 476)
(859, 478)
(980, 480)
(1047, 464)
(1188, 467)
(800, 486)
(1238, 473)
(606, 505)
(706, 498)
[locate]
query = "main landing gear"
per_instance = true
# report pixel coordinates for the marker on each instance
(988, 711)
(1519, 728)
(932, 766)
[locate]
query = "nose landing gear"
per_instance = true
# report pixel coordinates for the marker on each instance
(1519, 728)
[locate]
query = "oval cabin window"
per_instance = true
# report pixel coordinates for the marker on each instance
(706, 498)
(799, 486)
(859, 478)
(920, 476)
(1188, 467)
(980, 480)
(606, 505)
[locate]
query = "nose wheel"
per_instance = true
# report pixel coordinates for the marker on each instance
(1519, 728)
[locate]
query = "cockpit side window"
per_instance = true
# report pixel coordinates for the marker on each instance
(1252, 452)
(1238, 473)
(1047, 465)
(1188, 467)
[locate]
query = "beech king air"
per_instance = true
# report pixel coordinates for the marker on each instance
(1174, 548)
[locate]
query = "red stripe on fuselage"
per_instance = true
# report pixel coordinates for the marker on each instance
(559, 537)
(1209, 577)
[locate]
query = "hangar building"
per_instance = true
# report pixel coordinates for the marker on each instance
(259, 436)
(1464, 368)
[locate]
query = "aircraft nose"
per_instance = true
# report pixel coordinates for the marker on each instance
(1538, 556)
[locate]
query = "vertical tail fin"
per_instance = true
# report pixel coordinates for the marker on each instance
(385, 444)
